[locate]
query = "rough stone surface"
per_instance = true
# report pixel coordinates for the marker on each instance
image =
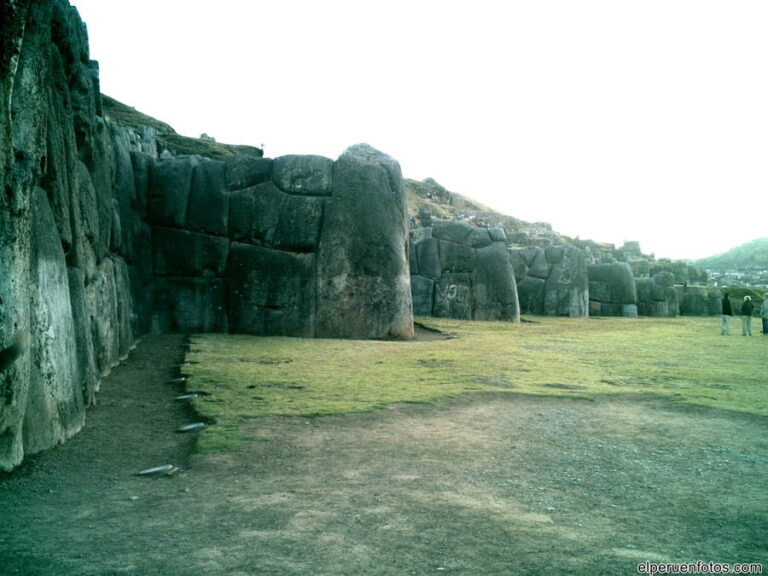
(208, 206)
(451, 231)
(453, 296)
(190, 305)
(612, 285)
(567, 288)
(422, 289)
(363, 285)
(255, 213)
(271, 292)
(456, 257)
(185, 253)
(428, 257)
(306, 175)
(246, 171)
(494, 285)
(656, 297)
(700, 301)
(531, 291)
(86, 371)
(552, 281)
(170, 182)
(298, 227)
(471, 275)
(55, 408)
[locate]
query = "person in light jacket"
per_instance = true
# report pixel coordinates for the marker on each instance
(746, 316)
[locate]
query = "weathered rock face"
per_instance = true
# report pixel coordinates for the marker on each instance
(63, 275)
(552, 281)
(363, 286)
(657, 297)
(295, 246)
(462, 271)
(612, 290)
(700, 301)
(101, 240)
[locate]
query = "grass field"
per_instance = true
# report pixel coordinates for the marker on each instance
(684, 359)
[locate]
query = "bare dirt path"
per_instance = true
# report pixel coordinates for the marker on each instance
(482, 485)
(64, 504)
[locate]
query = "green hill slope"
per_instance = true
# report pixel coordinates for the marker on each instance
(750, 256)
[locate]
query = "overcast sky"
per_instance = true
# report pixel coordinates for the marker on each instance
(614, 120)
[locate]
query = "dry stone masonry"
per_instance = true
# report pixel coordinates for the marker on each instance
(107, 232)
(552, 281)
(103, 237)
(462, 271)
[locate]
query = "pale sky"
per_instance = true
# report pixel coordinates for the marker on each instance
(613, 120)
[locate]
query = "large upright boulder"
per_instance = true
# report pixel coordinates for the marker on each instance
(363, 286)
(494, 284)
(55, 408)
(567, 287)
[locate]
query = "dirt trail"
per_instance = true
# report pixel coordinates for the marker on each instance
(488, 485)
(91, 478)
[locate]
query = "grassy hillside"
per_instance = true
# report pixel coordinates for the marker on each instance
(750, 256)
(126, 116)
(428, 199)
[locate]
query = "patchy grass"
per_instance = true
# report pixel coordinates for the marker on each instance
(684, 359)
(208, 148)
(122, 115)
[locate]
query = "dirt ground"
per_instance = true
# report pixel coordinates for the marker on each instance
(482, 485)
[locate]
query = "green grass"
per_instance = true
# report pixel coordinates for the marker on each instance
(126, 116)
(683, 359)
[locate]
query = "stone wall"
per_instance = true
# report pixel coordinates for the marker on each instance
(65, 280)
(612, 290)
(657, 297)
(701, 301)
(462, 271)
(102, 240)
(295, 246)
(552, 281)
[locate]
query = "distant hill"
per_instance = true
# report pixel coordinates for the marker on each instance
(427, 199)
(123, 115)
(747, 257)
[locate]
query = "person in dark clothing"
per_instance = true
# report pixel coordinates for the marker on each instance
(725, 318)
(764, 314)
(746, 316)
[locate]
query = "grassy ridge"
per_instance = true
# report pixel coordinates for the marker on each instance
(684, 359)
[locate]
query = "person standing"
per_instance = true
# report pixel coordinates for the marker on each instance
(746, 316)
(764, 314)
(725, 318)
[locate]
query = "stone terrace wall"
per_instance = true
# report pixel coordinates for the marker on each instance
(552, 281)
(295, 246)
(462, 271)
(100, 240)
(65, 270)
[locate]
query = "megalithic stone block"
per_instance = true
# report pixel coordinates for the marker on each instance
(364, 288)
